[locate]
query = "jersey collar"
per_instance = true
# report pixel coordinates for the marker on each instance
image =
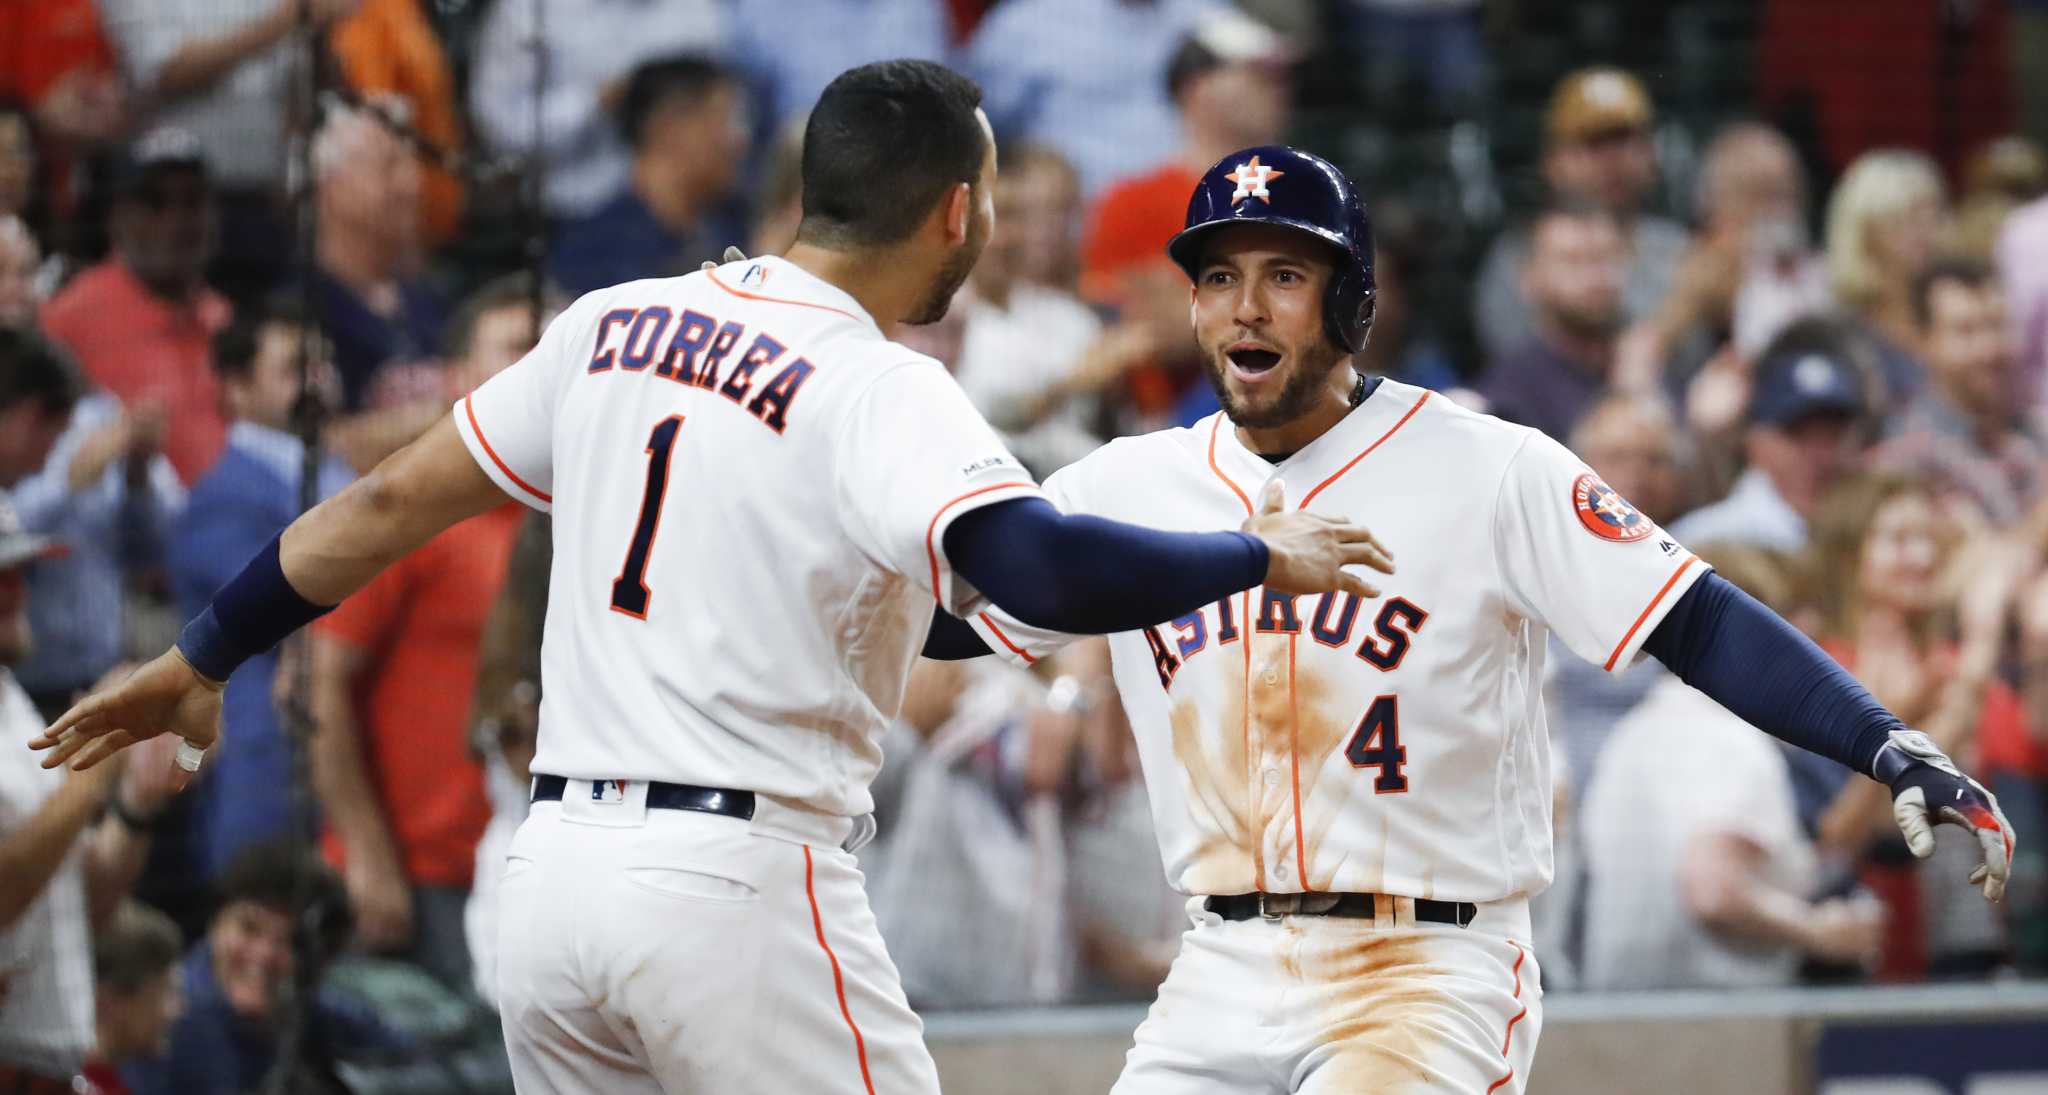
(1320, 463)
(777, 280)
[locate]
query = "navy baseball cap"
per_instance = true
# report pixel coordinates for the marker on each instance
(1803, 383)
(165, 148)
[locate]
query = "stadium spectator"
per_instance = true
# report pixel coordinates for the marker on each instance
(238, 978)
(779, 202)
(71, 844)
(1884, 224)
(107, 491)
(162, 232)
(38, 390)
(1597, 152)
(2002, 176)
(247, 498)
(1034, 359)
(137, 994)
(585, 48)
(18, 162)
(1048, 210)
(787, 70)
(54, 57)
(394, 672)
(506, 730)
(1802, 432)
(1430, 48)
(1697, 871)
(221, 70)
(1573, 280)
(1919, 615)
(2021, 241)
(1228, 81)
(1969, 429)
(1084, 77)
(684, 118)
(371, 304)
(390, 47)
(20, 257)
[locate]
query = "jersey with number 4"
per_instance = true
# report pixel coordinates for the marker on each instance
(1394, 745)
(749, 485)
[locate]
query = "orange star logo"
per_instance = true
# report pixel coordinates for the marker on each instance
(1252, 179)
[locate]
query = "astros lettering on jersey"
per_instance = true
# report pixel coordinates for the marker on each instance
(724, 642)
(1392, 746)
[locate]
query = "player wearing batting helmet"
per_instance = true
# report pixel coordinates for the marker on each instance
(1356, 786)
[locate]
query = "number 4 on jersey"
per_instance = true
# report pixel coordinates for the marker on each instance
(1377, 744)
(629, 590)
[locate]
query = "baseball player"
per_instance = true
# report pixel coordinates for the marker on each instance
(756, 498)
(1357, 793)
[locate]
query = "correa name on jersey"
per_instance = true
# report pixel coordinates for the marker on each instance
(692, 349)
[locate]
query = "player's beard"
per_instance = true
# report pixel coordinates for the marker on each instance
(951, 277)
(1298, 393)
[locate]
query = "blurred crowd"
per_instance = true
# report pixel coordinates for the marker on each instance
(1799, 315)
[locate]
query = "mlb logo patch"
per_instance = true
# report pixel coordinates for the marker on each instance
(756, 275)
(608, 792)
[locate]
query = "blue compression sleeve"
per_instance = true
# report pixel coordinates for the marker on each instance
(1091, 576)
(952, 639)
(251, 614)
(1723, 642)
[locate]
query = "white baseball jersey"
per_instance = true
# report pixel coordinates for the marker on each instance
(1389, 746)
(749, 485)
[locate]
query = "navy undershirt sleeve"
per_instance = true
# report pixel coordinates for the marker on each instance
(1725, 643)
(953, 639)
(1093, 576)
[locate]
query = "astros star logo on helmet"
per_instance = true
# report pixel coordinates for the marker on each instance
(1251, 179)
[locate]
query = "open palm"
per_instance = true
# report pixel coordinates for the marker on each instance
(164, 696)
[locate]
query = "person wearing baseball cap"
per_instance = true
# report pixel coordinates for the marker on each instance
(1596, 149)
(1807, 408)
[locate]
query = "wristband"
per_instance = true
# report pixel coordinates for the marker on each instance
(251, 614)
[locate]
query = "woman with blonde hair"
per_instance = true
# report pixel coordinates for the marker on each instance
(1884, 226)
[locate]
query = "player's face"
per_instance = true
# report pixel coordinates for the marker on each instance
(1258, 315)
(981, 222)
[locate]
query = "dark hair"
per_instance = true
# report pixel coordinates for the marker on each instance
(272, 873)
(1190, 59)
(1567, 207)
(234, 348)
(136, 944)
(1970, 273)
(685, 77)
(504, 291)
(883, 146)
(34, 368)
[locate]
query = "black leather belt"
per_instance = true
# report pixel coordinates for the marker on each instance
(1357, 906)
(665, 796)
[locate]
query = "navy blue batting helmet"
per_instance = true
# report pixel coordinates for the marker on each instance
(1274, 184)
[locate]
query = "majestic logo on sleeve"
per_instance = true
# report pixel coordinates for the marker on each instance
(1252, 179)
(1606, 514)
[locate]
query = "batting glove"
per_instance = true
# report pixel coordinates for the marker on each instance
(1928, 790)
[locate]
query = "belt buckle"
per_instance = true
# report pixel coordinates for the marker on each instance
(1273, 906)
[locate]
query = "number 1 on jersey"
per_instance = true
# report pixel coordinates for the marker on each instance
(629, 590)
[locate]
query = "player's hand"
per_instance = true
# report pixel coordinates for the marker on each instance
(1928, 790)
(1848, 930)
(1309, 551)
(165, 696)
(382, 902)
(732, 254)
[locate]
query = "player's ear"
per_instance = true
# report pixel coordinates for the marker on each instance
(958, 211)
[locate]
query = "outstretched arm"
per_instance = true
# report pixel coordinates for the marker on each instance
(330, 552)
(1723, 642)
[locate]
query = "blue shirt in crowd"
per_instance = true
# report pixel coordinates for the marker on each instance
(364, 341)
(622, 241)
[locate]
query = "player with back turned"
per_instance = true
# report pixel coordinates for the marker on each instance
(1357, 793)
(756, 498)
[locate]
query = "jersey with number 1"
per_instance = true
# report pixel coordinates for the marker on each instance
(749, 486)
(1394, 745)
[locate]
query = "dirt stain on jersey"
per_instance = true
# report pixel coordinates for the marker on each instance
(1380, 1005)
(1218, 801)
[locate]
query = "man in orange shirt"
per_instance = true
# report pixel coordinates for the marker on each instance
(394, 670)
(1229, 80)
(142, 322)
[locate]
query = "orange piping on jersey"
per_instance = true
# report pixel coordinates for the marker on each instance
(1647, 609)
(1520, 954)
(713, 275)
(1294, 751)
(860, 1046)
(1251, 783)
(931, 548)
(1014, 648)
(1310, 496)
(500, 461)
(1214, 425)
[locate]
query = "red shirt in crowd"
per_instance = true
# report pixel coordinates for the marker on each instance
(140, 346)
(420, 623)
